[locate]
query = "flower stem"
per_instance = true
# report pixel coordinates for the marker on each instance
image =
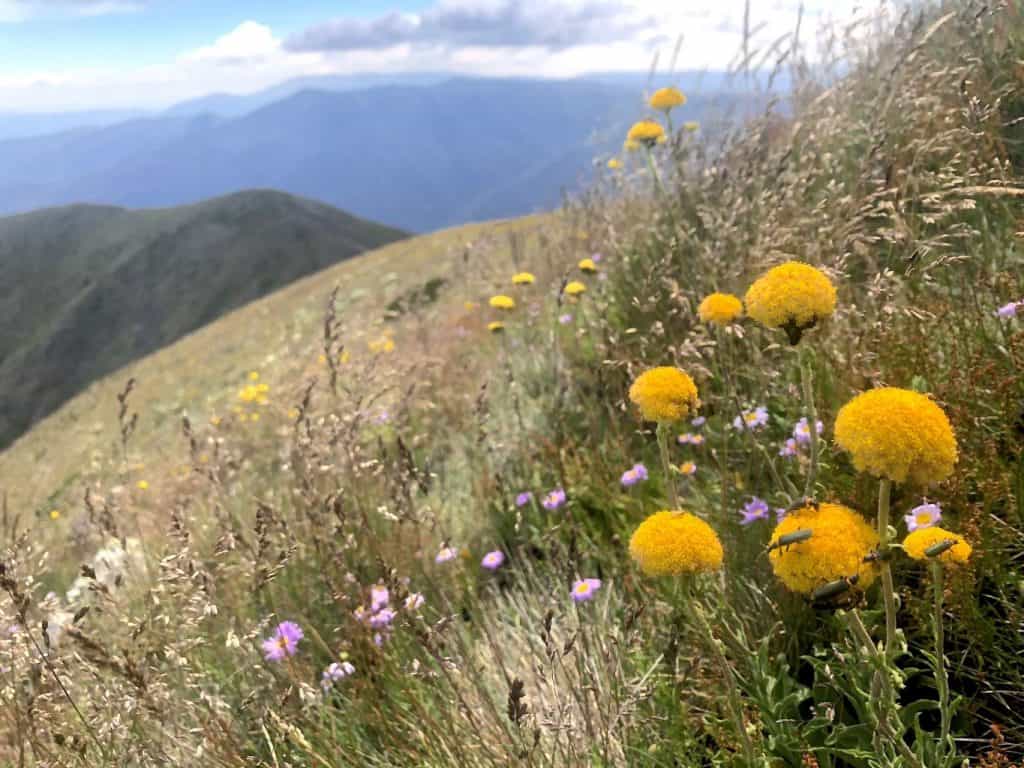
(666, 465)
(888, 590)
(811, 413)
(941, 677)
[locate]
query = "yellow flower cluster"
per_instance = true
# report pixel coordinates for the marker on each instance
(381, 345)
(575, 288)
(675, 543)
(720, 309)
(502, 302)
(646, 132)
(792, 296)
(665, 394)
(917, 542)
(898, 434)
(839, 541)
(523, 278)
(587, 265)
(666, 99)
(254, 393)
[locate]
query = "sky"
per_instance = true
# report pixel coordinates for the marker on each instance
(60, 55)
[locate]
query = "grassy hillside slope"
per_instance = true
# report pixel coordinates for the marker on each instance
(88, 289)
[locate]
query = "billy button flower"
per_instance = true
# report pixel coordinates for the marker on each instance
(496, 326)
(667, 99)
(819, 544)
(720, 308)
(614, 164)
(935, 542)
(502, 302)
(646, 133)
(674, 544)
(523, 278)
(574, 288)
(792, 296)
(587, 265)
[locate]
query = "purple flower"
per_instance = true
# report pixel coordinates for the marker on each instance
(753, 420)
(382, 618)
(755, 509)
(284, 641)
(565, 319)
(445, 555)
(584, 589)
(336, 672)
(635, 475)
(596, 257)
(698, 422)
(789, 448)
(802, 432)
(924, 516)
(492, 560)
(414, 601)
(691, 439)
(524, 498)
(379, 597)
(378, 639)
(554, 499)
(1009, 310)
(780, 514)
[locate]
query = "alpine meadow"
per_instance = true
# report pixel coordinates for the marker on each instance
(719, 463)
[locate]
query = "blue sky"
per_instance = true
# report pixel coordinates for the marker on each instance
(83, 54)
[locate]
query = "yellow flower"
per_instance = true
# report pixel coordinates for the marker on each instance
(587, 265)
(917, 542)
(791, 296)
(215, 421)
(502, 302)
(254, 376)
(254, 393)
(666, 99)
(665, 394)
(55, 514)
(293, 413)
(614, 163)
(381, 345)
(675, 543)
(575, 288)
(470, 306)
(496, 327)
(344, 357)
(840, 540)
(898, 434)
(142, 485)
(631, 145)
(720, 308)
(646, 132)
(691, 126)
(255, 417)
(523, 278)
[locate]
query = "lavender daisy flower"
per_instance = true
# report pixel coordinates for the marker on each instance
(780, 514)
(802, 432)
(691, 439)
(688, 468)
(524, 498)
(789, 448)
(584, 589)
(596, 258)
(565, 319)
(755, 419)
(336, 672)
(414, 601)
(445, 555)
(755, 509)
(634, 475)
(378, 639)
(924, 516)
(1009, 310)
(492, 560)
(379, 597)
(554, 499)
(382, 618)
(284, 641)
(698, 422)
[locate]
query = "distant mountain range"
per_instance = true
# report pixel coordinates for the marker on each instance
(87, 289)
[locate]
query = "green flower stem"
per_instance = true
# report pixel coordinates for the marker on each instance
(666, 465)
(941, 676)
(811, 413)
(735, 706)
(888, 589)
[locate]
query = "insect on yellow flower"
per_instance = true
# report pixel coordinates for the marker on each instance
(917, 544)
(646, 133)
(675, 543)
(720, 309)
(587, 265)
(665, 395)
(897, 434)
(575, 288)
(792, 296)
(667, 99)
(523, 278)
(839, 541)
(502, 302)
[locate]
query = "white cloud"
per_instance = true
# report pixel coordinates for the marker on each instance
(15, 11)
(249, 40)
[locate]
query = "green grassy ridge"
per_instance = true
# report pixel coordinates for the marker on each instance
(88, 289)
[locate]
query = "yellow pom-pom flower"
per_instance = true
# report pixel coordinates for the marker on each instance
(502, 302)
(791, 296)
(631, 145)
(496, 327)
(897, 434)
(587, 265)
(523, 278)
(646, 133)
(665, 394)
(675, 543)
(575, 288)
(720, 309)
(691, 126)
(614, 164)
(918, 542)
(838, 543)
(667, 99)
